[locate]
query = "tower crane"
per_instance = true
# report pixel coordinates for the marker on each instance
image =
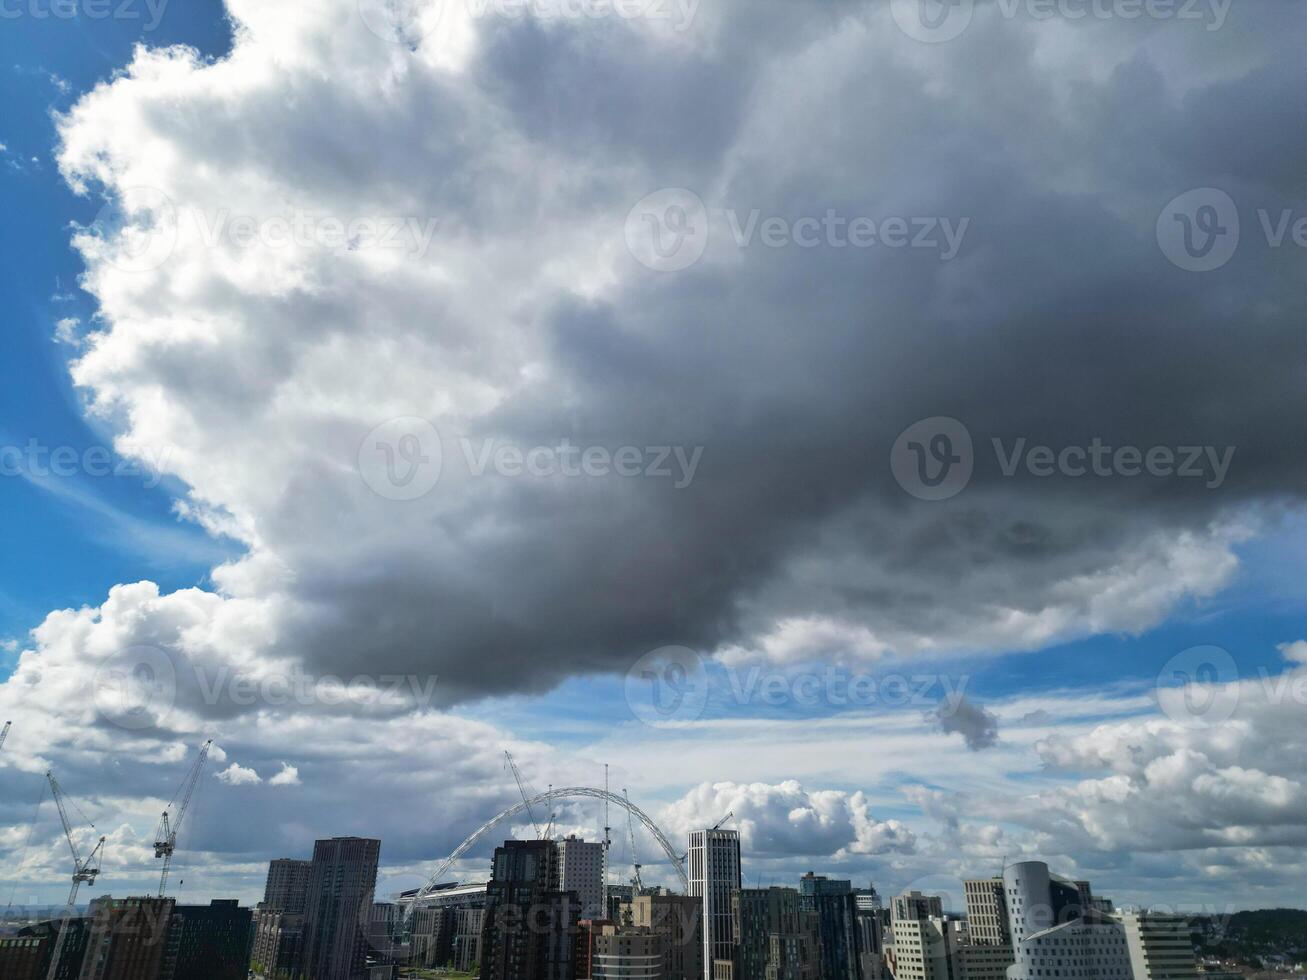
(635, 861)
(729, 814)
(83, 871)
(165, 837)
(517, 776)
(5, 734)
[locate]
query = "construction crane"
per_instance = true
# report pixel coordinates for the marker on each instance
(635, 861)
(165, 838)
(5, 734)
(729, 814)
(83, 871)
(517, 776)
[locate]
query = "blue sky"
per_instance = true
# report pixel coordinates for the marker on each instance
(262, 373)
(70, 543)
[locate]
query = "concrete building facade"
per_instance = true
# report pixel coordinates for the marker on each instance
(581, 870)
(1160, 946)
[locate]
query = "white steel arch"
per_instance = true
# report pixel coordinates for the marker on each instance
(567, 792)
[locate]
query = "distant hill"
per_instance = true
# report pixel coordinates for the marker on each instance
(1251, 936)
(1271, 925)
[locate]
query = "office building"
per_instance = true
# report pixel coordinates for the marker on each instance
(981, 961)
(342, 879)
(931, 945)
(1055, 934)
(581, 870)
(714, 874)
(914, 905)
(679, 920)
(987, 912)
(867, 899)
(923, 939)
(1160, 946)
(530, 925)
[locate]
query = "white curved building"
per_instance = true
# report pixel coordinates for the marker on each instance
(1056, 933)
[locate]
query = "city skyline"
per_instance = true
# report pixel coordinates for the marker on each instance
(882, 428)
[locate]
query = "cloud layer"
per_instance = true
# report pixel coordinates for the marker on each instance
(326, 231)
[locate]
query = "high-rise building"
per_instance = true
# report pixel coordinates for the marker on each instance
(914, 905)
(278, 948)
(210, 942)
(278, 921)
(129, 939)
(530, 925)
(832, 899)
(341, 884)
(776, 937)
(923, 938)
(1054, 934)
(714, 875)
(679, 920)
(287, 886)
(869, 921)
(931, 945)
(1160, 946)
(867, 899)
(581, 870)
(987, 912)
(627, 954)
(70, 933)
(22, 957)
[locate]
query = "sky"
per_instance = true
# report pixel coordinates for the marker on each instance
(880, 422)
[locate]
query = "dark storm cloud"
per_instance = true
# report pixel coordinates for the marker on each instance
(978, 727)
(1058, 323)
